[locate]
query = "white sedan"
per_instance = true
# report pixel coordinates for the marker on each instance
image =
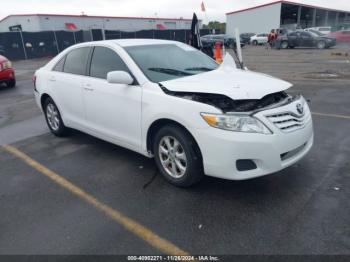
(167, 100)
(259, 39)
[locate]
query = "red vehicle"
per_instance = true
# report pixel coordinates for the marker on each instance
(341, 36)
(7, 73)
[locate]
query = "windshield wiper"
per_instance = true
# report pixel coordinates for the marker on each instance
(169, 71)
(199, 69)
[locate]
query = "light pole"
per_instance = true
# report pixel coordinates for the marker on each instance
(103, 29)
(75, 39)
(90, 28)
(24, 48)
(55, 37)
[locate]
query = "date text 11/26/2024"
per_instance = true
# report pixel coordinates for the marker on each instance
(173, 258)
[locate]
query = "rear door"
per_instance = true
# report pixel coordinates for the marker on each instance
(294, 39)
(113, 111)
(66, 83)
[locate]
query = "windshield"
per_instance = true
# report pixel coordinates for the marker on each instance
(170, 61)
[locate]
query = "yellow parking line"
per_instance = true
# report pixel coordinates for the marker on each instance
(129, 224)
(331, 115)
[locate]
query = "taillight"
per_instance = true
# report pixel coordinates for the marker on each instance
(34, 81)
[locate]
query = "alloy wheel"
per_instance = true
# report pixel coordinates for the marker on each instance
(52, 116)
(321, 45)
(172, 157)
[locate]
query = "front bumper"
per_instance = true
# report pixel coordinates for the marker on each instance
(221, 149)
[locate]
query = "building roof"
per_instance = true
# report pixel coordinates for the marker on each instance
(284, 2)
(106, 17)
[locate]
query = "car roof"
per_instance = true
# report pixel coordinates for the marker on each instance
(131, 42)
(2, 58)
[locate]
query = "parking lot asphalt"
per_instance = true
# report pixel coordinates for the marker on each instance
(303, 209)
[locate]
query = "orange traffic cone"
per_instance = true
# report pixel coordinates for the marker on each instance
(218, 52)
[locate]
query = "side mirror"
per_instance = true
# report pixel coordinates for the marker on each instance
(119, 77)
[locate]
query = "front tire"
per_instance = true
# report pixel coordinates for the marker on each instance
(53, 118)
(177, 156)
(255, 43)
(11, 83)
(321, 45)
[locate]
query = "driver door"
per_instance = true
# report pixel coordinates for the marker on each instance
(306, 39)
(113, 111)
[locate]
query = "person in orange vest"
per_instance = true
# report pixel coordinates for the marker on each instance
(218, 52)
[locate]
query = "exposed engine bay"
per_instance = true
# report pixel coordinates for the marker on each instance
(226, 104)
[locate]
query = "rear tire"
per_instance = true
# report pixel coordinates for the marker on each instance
(11, 83)
(284, 44)
(53, 118)
(177, 156)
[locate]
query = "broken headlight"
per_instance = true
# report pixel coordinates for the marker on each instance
(236, 122)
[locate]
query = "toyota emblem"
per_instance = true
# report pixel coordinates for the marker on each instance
(300, 109)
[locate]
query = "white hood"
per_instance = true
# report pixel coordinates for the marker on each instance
(229, 81)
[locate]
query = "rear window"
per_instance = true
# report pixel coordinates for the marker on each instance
(76, 61)
(306, 34)
(59, 66)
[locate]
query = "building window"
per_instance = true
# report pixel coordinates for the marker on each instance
(289, 15)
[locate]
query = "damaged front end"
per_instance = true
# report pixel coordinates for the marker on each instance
(226, 104)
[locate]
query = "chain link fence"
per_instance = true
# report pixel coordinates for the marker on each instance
(28, 45)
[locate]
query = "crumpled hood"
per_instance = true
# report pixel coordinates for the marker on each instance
(232, 82)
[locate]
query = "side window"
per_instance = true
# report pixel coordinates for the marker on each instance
(76, 61)
(59, 66)
(105, 60)
(305, 34)
(293, 34)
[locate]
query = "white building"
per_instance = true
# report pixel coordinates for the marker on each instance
(48, 22)
(283, 14)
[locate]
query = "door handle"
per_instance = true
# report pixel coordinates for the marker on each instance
(88, 87)
(52, 79)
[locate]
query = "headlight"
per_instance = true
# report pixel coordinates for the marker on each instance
(237, 123)
(5, 65)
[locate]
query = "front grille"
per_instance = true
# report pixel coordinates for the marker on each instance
(289, 121)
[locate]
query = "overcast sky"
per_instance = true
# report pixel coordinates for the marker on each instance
(216, 9)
